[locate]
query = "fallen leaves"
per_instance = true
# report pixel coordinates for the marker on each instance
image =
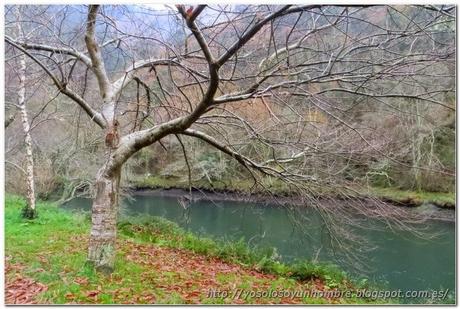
(192, 276)
(163, 275)
(19, 289)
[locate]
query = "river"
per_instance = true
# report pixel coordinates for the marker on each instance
(400, 259)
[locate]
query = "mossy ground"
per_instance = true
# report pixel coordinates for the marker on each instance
(414, 198)
(157, 262)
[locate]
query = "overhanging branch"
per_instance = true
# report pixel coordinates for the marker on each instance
(94, 115)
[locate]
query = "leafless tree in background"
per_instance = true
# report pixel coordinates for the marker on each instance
(278, 88)
(29, 210)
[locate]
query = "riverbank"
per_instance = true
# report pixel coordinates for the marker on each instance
(157, 262)
(236, 188)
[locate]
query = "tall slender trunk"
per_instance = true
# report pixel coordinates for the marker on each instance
(417, 144)
(101, 251)
(29, 211)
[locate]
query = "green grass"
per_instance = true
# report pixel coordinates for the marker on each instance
(47, 246)
(52, 250)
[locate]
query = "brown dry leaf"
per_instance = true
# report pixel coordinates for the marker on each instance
(92, 293)
(81, 280)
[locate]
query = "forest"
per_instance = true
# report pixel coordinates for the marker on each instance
(229, 154)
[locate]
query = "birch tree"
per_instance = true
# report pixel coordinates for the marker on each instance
(211, 63)
(29, 210)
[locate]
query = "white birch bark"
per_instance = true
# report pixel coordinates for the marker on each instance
(26, 129)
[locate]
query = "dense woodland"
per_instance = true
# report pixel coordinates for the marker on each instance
(304, 101)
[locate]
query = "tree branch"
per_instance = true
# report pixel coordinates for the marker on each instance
(95, 116)
(96, 57)
(128, 75)
(60, 50)
(243, 160)
(197, 32)
(249, 34)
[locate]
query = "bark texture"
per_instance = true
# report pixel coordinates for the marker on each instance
(101, 251)
(29, 211)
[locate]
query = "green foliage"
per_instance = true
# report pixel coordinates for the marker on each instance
(328, 272)
(209, 165)
(269, 265)
(379, 174)
(305, 271)
(445, 146)
(414, 198)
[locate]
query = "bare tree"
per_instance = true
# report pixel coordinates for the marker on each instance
(255, 82)
(29, 210)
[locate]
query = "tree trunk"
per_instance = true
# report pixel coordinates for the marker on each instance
(29, 211)
(101, 251)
